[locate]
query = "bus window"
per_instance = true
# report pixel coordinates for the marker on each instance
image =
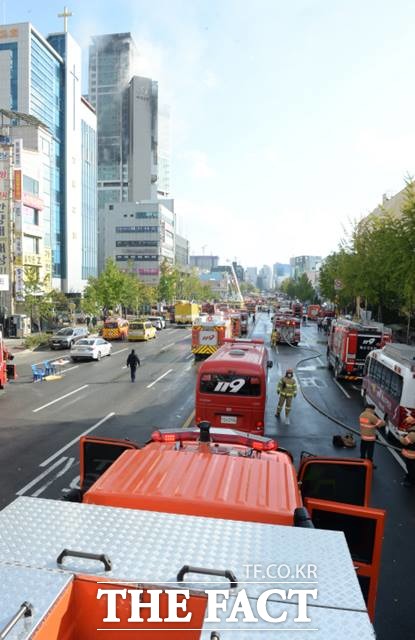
(230, 384)
(396, 386)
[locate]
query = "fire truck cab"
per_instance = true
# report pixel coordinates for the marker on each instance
(209, 333)
(286, 329)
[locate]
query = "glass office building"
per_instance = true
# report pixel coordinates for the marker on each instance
(89, 200)
(47, 104)
(42, 77)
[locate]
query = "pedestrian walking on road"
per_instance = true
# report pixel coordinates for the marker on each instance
(133, 361)
(408, 452)
(287, 389)
(253, 318)
(369, 422)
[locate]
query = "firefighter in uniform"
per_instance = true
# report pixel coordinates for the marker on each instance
(287, 389)
(369, 422)
(408, 452)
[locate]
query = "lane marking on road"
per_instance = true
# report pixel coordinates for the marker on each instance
(159, 378)
(190, 356)
(44, 406)
(40, 477)
(59, 474)
(392, 451)
(356, 388)
(70, 369)
(167, 346)
(75, 440)
(337, 383)
(114, 353)
(187, 422)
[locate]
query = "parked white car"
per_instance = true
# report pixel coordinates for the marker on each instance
(157, 321)
(90, 349)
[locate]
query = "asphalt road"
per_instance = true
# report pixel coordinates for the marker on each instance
(40, 425)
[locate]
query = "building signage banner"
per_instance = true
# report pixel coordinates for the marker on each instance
(19, 284)
(5, 184)
(17, 184)
(4, 282)
(17, 149)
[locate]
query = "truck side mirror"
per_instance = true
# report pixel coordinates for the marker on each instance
(270, 364)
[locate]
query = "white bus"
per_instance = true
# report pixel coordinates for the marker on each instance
(389, 384)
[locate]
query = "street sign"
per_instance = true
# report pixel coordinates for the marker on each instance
(338, 284)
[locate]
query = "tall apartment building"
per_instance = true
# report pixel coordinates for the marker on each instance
(42, 77)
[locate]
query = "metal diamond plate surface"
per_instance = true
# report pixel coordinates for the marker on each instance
(40, 588)
(328, 624)
(151, 547)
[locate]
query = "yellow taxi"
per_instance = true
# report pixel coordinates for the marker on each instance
(141, 330)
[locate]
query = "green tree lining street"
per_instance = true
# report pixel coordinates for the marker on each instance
(376, 264)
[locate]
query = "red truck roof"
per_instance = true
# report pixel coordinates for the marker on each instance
(203, 480)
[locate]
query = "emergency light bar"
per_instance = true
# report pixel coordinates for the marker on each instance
(217, 436)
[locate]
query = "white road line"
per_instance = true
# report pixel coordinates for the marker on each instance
(70, 368)
(114, 353)
(167, 346)
(60, 473)
(40, 477)
(60, 398)
(75, 440)
(392, 451)
(160, 378)
(190, 356)
(321, 363)
(336, 382)
(356, 388)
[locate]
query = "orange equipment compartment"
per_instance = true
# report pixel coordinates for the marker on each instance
(78, 615)
(202, 480)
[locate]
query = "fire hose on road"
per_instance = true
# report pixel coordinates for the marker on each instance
(343, 425)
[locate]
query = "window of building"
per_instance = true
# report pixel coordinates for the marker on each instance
(30, 244)
(146, 214)
(30, 215)
(30, 185)
(143, 229)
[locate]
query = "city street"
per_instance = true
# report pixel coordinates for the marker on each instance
(41, 424)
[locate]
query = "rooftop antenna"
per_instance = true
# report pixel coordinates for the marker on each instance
(65, 15)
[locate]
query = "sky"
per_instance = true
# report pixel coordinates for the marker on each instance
(289, 119)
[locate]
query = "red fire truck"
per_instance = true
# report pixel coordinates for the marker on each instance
(313, 311)
(7, 370)
(350, 342)
(208, 334)
(297, 309)
(286, 329)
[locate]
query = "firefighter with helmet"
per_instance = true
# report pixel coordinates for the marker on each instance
(287, 390)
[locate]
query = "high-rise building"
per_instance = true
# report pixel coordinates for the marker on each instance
(303, 264)
(204, 263)
(42, 77)
(112, 61)
(251, 275)
(143, 139)
(181, 253)
(265, 275)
